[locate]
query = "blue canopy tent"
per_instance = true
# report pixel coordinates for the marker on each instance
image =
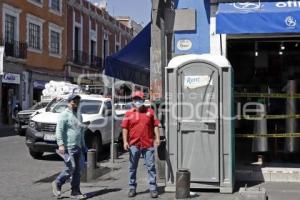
(132, 63)
(259, 17)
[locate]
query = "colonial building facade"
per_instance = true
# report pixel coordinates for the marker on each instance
(92, 35)
(52, 40)
(34, 37)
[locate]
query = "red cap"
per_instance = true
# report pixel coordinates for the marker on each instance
(138, 94)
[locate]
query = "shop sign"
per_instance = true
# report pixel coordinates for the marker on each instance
(259, 5)
(11, 78)
(39, 84)
(184, 45)
(192, 82)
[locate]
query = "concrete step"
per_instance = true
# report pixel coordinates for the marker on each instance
(281, 173)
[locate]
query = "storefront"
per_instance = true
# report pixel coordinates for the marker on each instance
(10, 95)
(261, 39)
(38, 80)
(38, 86)
(262, 42)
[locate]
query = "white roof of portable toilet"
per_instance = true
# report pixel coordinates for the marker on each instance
(219, 61)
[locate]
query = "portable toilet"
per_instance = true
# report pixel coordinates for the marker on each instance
(199, 121)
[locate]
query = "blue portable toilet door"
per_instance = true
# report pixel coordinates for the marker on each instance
(198, 121)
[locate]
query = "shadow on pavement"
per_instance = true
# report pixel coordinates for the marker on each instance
(51, 157)
(48, 179)
(160, 190)
(246, 184)
(101, 192)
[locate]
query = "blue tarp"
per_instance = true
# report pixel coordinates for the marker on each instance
(259, 17)
(132, 63)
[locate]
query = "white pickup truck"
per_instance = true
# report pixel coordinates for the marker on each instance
(95, 109)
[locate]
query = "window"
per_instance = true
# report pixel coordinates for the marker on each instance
(117, 42)
(60, 107)
(54, 42)
(55, 5)
(10, 27)
(107, 109)
(117, 47)
(39, 106)
(90, 106)
(77, 45)
(38, 3)
(105, 46)
(34, 36)
(34, 33)
(93, 48)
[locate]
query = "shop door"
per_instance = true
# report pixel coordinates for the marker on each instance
(7, 103)
(198, 121)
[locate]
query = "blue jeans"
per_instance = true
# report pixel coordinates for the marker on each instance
(149, 158)
(73, 168)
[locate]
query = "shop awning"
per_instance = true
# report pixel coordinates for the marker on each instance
(259, 17)
(132, 63)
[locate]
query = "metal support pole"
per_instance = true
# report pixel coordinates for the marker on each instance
(183, 178)
(116, 155)
(91, 164)
(112, 122)
(291, 144)
(260, 145)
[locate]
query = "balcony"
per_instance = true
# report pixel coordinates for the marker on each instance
(15, 49)
(82, 58)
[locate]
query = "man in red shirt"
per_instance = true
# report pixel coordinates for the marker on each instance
(140, 135)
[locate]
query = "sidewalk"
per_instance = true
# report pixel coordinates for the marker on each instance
(113, 186)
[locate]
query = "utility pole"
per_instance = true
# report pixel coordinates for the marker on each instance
(161, 42)
(160, 54)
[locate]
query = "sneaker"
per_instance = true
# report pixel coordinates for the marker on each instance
(154, 194)
(56, 189)
(131, 193)
(77, 195)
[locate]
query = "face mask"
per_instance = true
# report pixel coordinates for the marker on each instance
(138, 103)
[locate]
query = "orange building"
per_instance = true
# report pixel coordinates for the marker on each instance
(33, 33)
(52, 40)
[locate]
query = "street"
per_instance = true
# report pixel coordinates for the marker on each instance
(23, 178)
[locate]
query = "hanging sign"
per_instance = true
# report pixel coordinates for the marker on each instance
(11, 78)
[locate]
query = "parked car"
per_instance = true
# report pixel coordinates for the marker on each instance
(23, 117)
(122, 108)
(96, 111)
(49, 106)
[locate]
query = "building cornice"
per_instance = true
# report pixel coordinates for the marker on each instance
(102, 19)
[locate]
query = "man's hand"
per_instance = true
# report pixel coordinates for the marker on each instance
(157, 136)
(61, 149)
(125, 139)
(157, 142)
(126, 146)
